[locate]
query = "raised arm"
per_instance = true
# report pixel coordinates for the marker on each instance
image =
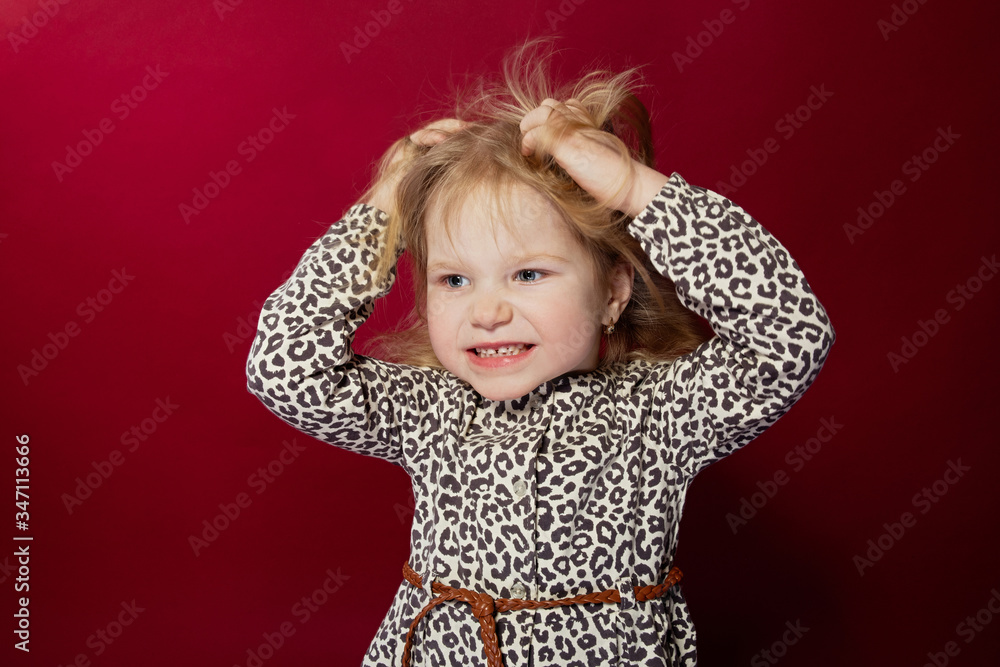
(301, 365)
(773, 335)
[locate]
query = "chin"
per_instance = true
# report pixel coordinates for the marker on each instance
(495, 396)
(500, 394)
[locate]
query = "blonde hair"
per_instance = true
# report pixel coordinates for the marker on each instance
(484, 157)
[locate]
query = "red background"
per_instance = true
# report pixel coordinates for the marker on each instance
(177, 329)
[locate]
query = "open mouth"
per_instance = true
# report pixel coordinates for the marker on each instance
(503, 351)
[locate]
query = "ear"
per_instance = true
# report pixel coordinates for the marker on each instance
(620, 289)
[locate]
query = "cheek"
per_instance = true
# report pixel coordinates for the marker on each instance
(439, 307)
(579, 320)
(433, 328)
(574, 312)
(438, 321)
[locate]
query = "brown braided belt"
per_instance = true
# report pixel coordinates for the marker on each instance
(484, 606)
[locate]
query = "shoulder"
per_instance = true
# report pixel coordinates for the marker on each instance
(643, 372)
(638, 377)
(421, 387)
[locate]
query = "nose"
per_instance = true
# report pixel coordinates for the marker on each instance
(490, 310)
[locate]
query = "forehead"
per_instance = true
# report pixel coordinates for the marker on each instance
(512, 221)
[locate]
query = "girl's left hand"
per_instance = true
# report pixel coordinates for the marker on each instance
(593, 158)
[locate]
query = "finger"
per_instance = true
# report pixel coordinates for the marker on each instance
(550, 107)
(437, 131)
(535, 117)
(529, 142)
(532, 138)
(550, 116)
(553, 115)
(447, 125)
(571, 106)
(575, 108)
(427, 137)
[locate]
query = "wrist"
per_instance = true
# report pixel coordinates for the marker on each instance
(647, 184)
(382, 198)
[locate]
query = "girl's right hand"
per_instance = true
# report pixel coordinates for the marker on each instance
(401, 153)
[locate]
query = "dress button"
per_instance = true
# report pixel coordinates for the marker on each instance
(520, 487)
(518, 591)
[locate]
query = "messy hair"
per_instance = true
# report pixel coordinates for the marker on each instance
(484, 159)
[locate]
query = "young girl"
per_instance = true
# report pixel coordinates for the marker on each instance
(552, 398)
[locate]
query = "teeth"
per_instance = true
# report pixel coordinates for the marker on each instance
(506, 351)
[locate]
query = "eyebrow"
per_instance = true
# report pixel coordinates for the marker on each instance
(522, 259)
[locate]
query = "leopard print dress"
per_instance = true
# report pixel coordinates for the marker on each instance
(575, 487)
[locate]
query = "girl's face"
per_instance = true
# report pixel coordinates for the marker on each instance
(535, 290)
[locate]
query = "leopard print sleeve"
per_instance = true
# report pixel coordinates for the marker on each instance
(772, 334)
(302, 367)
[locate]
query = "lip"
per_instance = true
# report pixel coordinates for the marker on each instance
(499, 362)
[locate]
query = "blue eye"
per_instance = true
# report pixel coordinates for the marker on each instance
(449, 280)
(532, 272)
